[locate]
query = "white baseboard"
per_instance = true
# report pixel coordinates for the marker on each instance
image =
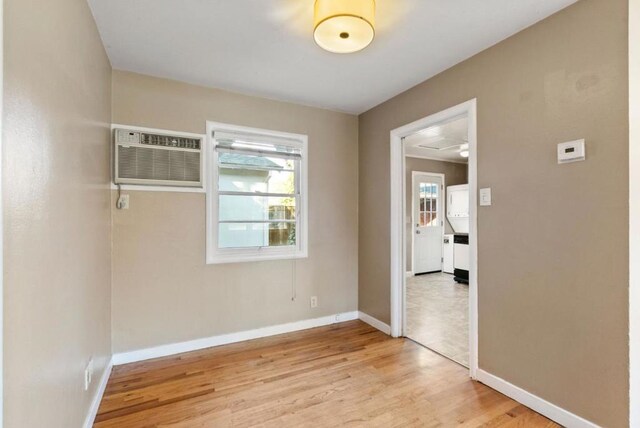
(225, 339)
(551, 411)
(374, 322)
(97, 398)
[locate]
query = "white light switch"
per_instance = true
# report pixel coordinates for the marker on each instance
(485, 197)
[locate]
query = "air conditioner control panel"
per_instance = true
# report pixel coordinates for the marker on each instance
(124, 136)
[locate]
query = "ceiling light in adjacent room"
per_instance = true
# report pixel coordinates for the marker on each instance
(464, 153)
(344, 26)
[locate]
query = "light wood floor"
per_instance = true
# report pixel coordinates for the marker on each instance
(347, 374)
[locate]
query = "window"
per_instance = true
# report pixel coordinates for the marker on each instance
(428, 204)
(256, 195)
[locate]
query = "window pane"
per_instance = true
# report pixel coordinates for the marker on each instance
(235, 160)
(434, 205)
(245, 173)
(246, 235)
(256, 208)
(246, 180)
(434, 219)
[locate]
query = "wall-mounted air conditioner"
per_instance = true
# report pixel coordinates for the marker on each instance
(157, 158)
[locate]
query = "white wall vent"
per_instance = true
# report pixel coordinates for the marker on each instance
(157, 158)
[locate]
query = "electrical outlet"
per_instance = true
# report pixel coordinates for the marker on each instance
(88, 374)
(123, 202)
(314, 301)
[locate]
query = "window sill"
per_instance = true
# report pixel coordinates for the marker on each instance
(253, 257)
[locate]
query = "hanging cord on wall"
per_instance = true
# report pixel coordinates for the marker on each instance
(293, 281)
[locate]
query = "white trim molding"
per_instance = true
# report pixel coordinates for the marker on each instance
(374, 322)
(225, 339)
(634, 213)
(550, 410)
(97, 398)
(398, 216)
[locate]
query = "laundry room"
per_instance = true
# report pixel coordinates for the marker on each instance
(437, 238)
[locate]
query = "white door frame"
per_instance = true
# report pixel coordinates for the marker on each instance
(398, 216)
(442, 212)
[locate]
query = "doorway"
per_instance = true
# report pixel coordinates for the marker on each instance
(427, 221)
(437, 299)
(436, 289)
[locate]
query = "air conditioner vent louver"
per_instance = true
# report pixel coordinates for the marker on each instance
(168, 141)
(157, 159)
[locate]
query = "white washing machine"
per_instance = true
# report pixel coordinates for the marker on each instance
(461, 257)
(458, 216)
(447, 254)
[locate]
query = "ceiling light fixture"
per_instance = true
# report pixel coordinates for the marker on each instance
(344, 26)
(464, 153)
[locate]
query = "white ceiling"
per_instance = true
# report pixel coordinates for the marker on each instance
(442, 142)
(266, 47)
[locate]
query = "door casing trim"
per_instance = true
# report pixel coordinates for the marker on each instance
(398, 216)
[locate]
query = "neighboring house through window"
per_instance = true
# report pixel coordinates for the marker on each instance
(256, 194)
(429, 204)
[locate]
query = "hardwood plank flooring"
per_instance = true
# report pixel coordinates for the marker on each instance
(348, 374)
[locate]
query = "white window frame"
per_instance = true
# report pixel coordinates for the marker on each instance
(217, 255)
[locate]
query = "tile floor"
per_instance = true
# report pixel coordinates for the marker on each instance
(438, 315)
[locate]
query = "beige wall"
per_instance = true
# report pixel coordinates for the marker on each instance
(454, 173)
(634, 209)
(57, 111)
(553, 254)
(163, 292)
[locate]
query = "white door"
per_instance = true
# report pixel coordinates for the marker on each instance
(428, 223)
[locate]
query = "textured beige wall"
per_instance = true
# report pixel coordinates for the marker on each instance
(454, 173)
(163, 292)
(57, 111)
(634, 209)
(553, 248)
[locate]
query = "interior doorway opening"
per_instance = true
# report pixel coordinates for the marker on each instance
(436, 286)
(434, 234)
